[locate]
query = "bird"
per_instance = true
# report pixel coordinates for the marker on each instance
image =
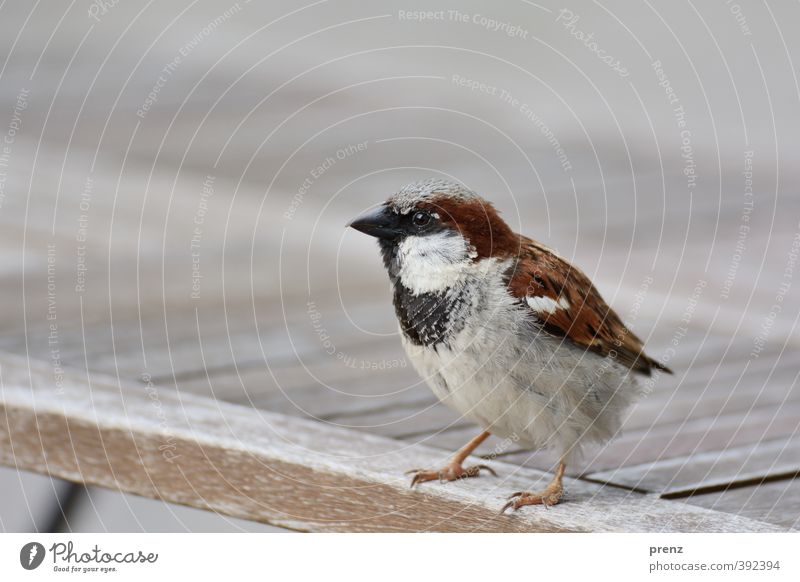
(503, 330)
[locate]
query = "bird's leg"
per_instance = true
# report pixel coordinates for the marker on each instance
(550, 496)
(453, 470)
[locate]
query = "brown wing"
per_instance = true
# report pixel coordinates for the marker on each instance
(577, 311)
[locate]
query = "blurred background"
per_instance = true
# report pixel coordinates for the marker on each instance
(177, 175)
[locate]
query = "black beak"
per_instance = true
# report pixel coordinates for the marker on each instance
(380, 222)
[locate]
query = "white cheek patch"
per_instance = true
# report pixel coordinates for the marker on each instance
(441, 248)
(435, 262)
(546, 304)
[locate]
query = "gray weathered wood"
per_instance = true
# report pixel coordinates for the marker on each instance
(775, 502)
(709, 470)
(285, 471)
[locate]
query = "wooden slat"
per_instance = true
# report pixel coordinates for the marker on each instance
(763, 384)
(776, 502)
(285, 471)
(321, 385)
(190, 349)
(456, 436)
(659, 413)
(710, 470)
(665, 425)
(678, 440)
(406, 423)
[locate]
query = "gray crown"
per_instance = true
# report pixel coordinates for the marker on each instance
(409, 196)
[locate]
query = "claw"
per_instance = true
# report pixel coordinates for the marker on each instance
(522, 498)
(512, 501)
(506, 506)
(488, 468)
(449, 473)
(551, 494)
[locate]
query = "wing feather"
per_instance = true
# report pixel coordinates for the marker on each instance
(568, 305)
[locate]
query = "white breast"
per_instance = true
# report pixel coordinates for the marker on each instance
(510, 377)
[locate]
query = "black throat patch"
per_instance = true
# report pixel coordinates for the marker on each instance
(428, 319)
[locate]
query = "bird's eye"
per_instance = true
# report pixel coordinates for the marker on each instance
(421, 218)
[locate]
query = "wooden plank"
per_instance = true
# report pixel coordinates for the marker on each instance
(690, 438)
(177, 339)
(310, 373)
(764, 385)
(220, 345)
(322, 386)
(776, 502)
(355, 404)
(660, 416)
(381, 411)
(689, 417)
(406, 422)
(454, 437)
(171, 340)
(665, 412)
(231, 350)
(273, 468)
(709, 470)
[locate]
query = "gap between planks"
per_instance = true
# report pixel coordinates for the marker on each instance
(287, 471)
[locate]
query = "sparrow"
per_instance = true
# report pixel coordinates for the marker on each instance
(503, 330)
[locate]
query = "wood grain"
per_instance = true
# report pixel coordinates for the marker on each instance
(289, 472)
(709, 470)
(776, 502)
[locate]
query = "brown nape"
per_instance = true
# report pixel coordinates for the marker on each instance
(480, 224)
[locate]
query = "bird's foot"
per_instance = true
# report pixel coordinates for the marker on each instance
(551, 495)
(451, 472)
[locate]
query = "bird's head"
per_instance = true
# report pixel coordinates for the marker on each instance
(433, 230)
